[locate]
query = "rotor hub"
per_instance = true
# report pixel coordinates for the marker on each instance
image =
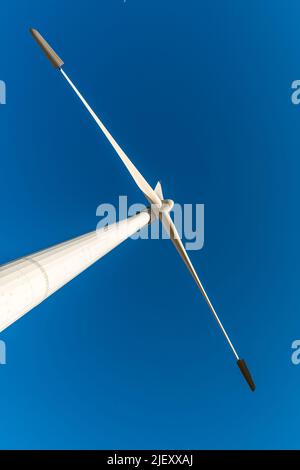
(166, 205)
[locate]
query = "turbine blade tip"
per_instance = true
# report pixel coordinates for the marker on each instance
(55, 60)
(246, 373)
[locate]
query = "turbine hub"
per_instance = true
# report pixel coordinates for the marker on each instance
(166, 205)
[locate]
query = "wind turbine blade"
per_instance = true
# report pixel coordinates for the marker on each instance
(159, 191)
(136, 175)
(174, 236)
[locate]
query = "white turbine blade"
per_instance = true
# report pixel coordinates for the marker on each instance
(57, 62)
(136, 175)
(158, 190)
(174, 236)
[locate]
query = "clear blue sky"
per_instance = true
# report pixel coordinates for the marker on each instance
(198, 93)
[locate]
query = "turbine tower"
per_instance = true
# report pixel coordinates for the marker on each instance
(30, 280)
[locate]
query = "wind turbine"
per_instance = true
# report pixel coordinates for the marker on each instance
(160, 207)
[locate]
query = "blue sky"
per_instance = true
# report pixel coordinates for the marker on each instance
(198, 93)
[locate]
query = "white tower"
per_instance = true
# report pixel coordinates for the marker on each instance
(28, 281)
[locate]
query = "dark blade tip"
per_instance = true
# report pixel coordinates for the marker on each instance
(47, 49)
(245, 371)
